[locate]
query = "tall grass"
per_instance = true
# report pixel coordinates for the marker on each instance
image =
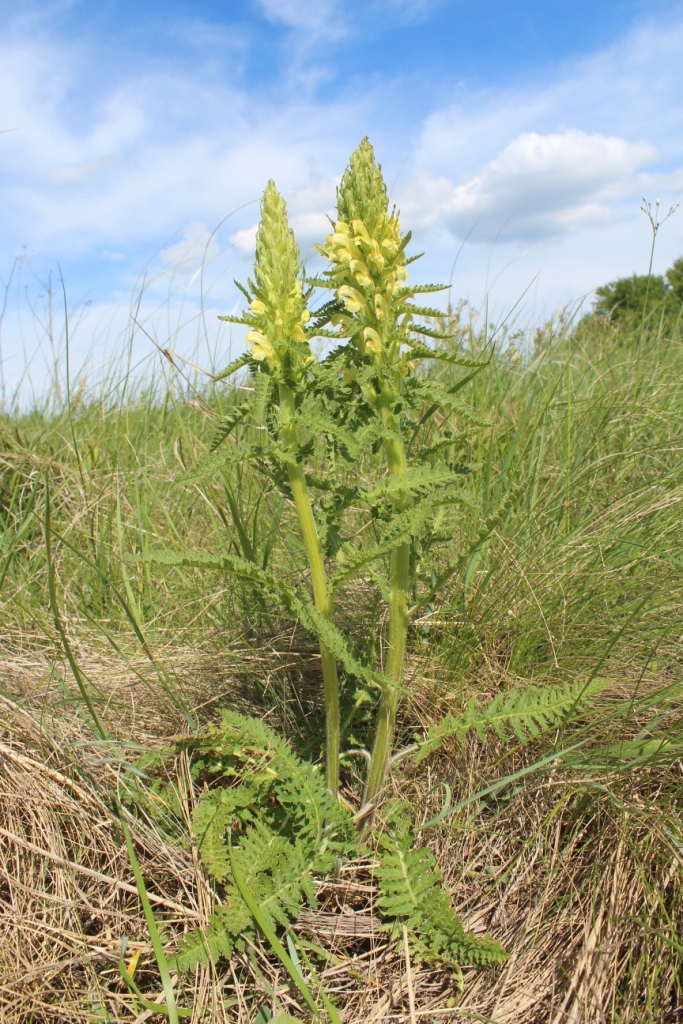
(586, 432)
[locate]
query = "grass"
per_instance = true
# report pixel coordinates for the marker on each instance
(567, 846)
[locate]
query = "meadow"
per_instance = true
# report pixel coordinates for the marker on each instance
(563, 842)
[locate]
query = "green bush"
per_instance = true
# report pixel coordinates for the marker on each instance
(641, 294)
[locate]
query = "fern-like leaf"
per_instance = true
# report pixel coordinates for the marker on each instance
(244, 360)
(412, 894)
(524, 713)
(269, 813)
(235, 416)
(311, 619)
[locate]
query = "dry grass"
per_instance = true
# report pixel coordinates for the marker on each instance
(578, 876)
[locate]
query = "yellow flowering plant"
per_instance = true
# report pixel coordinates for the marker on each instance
(378, 481)
(375, 311)
(280, 359)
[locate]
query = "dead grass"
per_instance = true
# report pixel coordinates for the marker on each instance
(578, 875)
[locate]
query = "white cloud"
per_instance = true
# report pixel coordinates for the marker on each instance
(630, 89)
(311, 17)
(245, 240)
(545, 185)
(539, 186)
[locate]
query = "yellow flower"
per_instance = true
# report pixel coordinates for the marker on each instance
(261, 347)
(339, 241)
(362, 273)
(372, 340)
(375, 255)
(258, 307)
(361, 231)
(389, 247)
(341, 320)
(353, 300)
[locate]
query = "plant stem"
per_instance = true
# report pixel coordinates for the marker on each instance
(322, 601)
(398, 630)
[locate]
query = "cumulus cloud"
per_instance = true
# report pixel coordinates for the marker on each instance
(245, 239)
(545, 185)
(539, 186)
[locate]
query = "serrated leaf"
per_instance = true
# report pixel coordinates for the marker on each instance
(279, 827)
(400, 527)
(311, 619)
(418, 351)
(421, 479)
(244, 360)
(232, 419)
(321, 422)
(524, 713)
(412, 894)
(263, 387)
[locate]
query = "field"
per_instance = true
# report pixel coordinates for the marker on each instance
(565, 844)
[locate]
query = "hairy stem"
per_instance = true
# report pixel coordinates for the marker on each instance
(323, 602)
(398, 630)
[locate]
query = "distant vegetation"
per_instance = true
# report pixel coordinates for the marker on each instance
(629, 296)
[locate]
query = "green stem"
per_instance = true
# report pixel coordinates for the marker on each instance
(398, 631)
(321, 598)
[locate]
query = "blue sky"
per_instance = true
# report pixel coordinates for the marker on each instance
(530, 129)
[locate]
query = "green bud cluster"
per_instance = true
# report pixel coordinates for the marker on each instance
(278, 312)
(368, 265)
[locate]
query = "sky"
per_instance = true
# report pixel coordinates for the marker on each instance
(517, 137)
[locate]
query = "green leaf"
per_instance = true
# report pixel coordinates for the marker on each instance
(316, 624)
(318, 421)
(418, 351)
(263, 389)
(412, 894)
(525, 713)
(236, 364)
(232, 419)
(233, 455)
(400, 527)
(264, 819)
(421, 479)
